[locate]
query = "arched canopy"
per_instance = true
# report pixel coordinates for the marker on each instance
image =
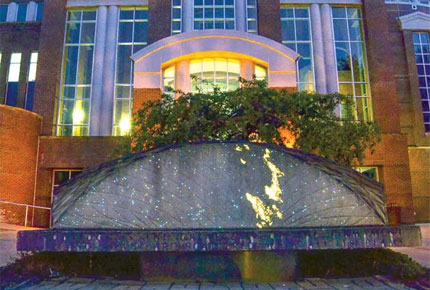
(219, 185)
(280, 60)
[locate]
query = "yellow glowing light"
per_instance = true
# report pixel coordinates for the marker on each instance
(78, 114)
(246, 146)
(238, 148)
(125, 124)
(273, 191)
(243, 161)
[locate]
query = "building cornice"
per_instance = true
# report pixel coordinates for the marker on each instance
(84, 3)
(415, 21)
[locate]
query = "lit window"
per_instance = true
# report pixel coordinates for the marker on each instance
(31, 81)
(13, 79)
(351, 59)
(75, 93)
(371, 172)
(176, 16)
(214, 14)
(169, 81)
(251, 16)
(22, 12)
(296, 34)
(260, 72)
(422, 56)
(3, 13)
(39, 13)
(61, 176)
(132, 37)
(208, 73)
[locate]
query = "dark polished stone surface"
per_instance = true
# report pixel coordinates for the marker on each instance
(274, 239)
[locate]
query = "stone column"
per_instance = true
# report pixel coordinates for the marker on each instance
(318, 50)
(187, 15)
(31, 11)
(109, 72)
(329, 49)
(12, 11)
(240, 10)
(97, 91)
(182, 76)
(246, 69)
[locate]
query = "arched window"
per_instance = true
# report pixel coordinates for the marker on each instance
(208, 73)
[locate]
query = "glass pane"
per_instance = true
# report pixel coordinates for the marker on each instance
(22, 12)
(361, 90)
(229, 25)
(358, 64)
(122, 92)
(126, 14)
(288, 30)
(142, 14)
(73, 30)
(141, 32)
(3, 13)
(122, 110)
(40, 8)
(89, 15)
(123, 69)
(75, 15)
(198, 12)
(305, 70)
(370, 172)
(68, 92)
(88, 32)
(209, 13)
(125, 32)
(343, 62)
(353, 12)
(287, 13)
(83, 92)
(304, 49)
(363, 109)
(339, 12)
(229, 13)
(66, 112)
(85, 65)
(340, 30)
(302, 30)
(71, 64)
(346, 89)
(302, 13)
(60, 177)
(73, 174)
(355, 33)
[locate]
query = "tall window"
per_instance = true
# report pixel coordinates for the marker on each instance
(176, 16)
(22, 12)
(351, 59)
(29, 99)
(39, 13)
(169, 81)
(214, 14)
(13, 79)
(214, 72)
(74, 103)
(422, 56)
(132, 36)
(296, 34)
(251, 16)
(3, 13)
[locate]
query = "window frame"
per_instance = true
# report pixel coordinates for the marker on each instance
(224, 19)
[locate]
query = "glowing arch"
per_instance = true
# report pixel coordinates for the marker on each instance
(280, 60)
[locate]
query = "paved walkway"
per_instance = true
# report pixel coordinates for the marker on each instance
(376, 282)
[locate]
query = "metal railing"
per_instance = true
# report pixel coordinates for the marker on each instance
(27, 208)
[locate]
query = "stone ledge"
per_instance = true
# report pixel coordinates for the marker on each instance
(209, 240)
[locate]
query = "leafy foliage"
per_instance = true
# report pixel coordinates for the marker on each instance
(256, 113)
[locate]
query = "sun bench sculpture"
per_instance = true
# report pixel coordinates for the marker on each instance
(232, 198)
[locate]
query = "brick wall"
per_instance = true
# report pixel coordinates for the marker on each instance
(49, 66)
(269, 19)
(158, 20)
(142, 95)
(19, 130)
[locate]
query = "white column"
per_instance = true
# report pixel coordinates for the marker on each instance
(12, 11)
(97, 91)
(246, 69)
(329, 49)
(182, 76)
(240, 10)
(187, 15)
(31, 11)
(109, 72)
(318, 50)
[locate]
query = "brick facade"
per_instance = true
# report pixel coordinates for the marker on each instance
(269, 15)
(159, 20)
